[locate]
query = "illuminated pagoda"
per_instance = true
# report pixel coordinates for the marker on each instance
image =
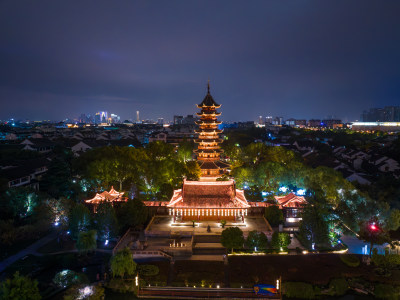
(209, 151)
(209, 199)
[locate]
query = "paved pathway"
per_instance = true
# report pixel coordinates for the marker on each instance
(356, 246)
(28, 250)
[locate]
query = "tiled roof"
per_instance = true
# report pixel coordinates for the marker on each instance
(217, 194)
(110, 196)
(291, 200)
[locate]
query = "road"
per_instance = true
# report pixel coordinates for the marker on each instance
(28, 250)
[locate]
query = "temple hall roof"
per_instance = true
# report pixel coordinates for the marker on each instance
(216, 194)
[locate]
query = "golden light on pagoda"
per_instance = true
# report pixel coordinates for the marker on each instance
(209, 151)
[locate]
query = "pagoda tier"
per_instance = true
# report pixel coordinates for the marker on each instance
(209, 151)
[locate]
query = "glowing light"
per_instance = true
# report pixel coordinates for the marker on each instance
(106, 243)
(373, 227)
(56, 224)
(313, 246)
(283, 189)
(255, 249)
(85, 292)
(301, 192)
(264, 194)
(277, 284)
(137, 280)
(218, 286)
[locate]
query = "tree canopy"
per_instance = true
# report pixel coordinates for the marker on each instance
(87, 241)
(232, 237)
(79, 220)
(106, 222)
(257, 239)
(19, 288)
(122, 263)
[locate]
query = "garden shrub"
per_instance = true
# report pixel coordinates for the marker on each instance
(300, 290)
(386, 291)
(148, 270)
(121, 285)
(385, 261)
(280, 240)
(338, 286)
(350, 260)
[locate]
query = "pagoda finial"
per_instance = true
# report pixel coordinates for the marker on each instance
(208, 86)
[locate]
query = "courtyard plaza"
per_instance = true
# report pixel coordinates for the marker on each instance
(164, 225)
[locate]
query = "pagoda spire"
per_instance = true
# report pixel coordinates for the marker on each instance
(209, 150)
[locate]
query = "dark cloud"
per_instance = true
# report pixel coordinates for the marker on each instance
(299, 59)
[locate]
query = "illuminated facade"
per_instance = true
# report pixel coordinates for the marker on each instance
(209, 151)
(208, 200)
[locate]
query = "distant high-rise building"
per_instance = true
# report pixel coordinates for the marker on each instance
(268, 120)
(189, 119)
(260, 120)
(101, 117)
(277, 121)
(160, 121)
(115, 118)
(178, 120)
(386, 114)
(137, 117)
(97, 118)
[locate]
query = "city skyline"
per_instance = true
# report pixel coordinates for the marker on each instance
(266, 58)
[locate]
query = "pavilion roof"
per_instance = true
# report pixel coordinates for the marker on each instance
(111, 196)
(291, 200)
(216, 194)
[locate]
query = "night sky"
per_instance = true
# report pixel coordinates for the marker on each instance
(301, 59)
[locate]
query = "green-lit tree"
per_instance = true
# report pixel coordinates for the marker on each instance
(280, 240)
(106, 221)
(232, 237)
(193, 171)
(122, 263)
(257, 239)
(185, 151)
(86, 241)
(274, 215)
(393, 220)
(78, 220)
(18, 203)
(19, 288)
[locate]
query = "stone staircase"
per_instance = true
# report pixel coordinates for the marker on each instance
(208, 245)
